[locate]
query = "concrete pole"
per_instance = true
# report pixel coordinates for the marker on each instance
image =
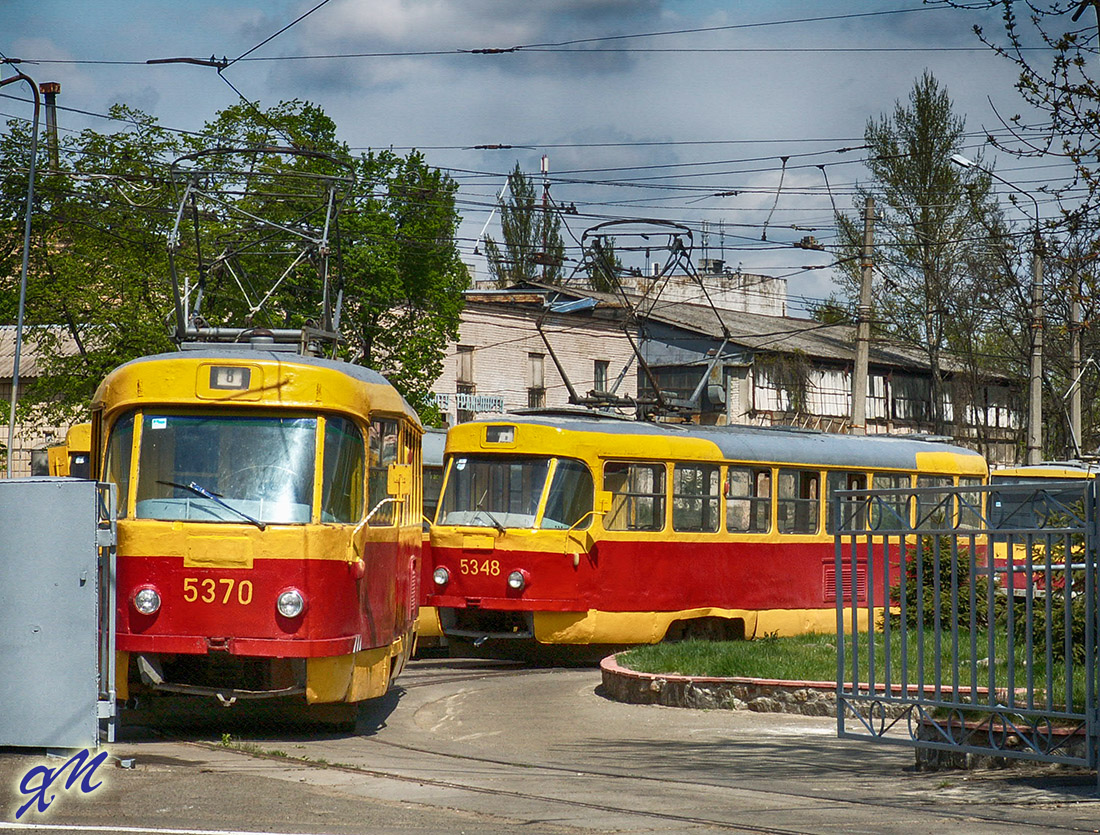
(1035, 387)
(863, 325)
(1075, 370)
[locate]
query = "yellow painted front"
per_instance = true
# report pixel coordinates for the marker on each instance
(427, 623)
(353, 678)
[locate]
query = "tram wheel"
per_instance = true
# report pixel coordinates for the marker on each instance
(706, 629)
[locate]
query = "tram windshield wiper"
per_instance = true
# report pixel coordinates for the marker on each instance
(493, 519)
(199, 490)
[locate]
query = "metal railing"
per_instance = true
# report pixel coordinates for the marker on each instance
(983, 605)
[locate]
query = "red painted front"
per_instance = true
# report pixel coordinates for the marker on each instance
(234, 610)
(648, 576)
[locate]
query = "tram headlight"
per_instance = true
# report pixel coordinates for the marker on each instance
(290, 603)
(441, 576)
(146, 600)
(517, 580)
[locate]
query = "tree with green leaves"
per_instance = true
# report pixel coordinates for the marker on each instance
(1061, 84)
(602, 265)
(936, 228)
(100, 268)
(531, 236)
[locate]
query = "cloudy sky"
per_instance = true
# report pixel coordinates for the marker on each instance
(730, 117)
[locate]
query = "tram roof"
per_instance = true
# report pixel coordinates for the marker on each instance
(738, 442)
(358, 373)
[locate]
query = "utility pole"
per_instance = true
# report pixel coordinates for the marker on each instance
(1035, 383)
(545, 213)
(1075, 368)
(863, 325)
(1035, 388)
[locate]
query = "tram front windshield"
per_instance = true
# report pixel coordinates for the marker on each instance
(491, 491)
(238, 469)
(1027, 503)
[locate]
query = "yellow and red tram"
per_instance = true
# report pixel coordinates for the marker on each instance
(428, 629)
(73, 457)
(582, 529)
(269, 524)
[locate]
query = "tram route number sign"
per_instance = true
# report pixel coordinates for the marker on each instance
(473, 566)
(223, 590)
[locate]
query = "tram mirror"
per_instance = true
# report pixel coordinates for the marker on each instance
(399, 479)
(603, 501)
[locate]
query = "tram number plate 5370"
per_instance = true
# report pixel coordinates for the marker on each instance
(470, 566)
(223, 590)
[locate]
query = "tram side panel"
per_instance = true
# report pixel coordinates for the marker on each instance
(653, 555)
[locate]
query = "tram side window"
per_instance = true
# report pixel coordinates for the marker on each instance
(383, 452)
(970, 504)
(892, 510)
(120, 450)
(934, 510)
(748, 500)
(854, 513)
(637, 496)
(797, 501)
(342, 484)
(570, 499)
(695, 497)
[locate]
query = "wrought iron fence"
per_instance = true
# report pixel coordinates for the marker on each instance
(983, 609)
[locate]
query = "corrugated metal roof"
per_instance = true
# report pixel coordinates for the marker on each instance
(28, 356)
(759, 332)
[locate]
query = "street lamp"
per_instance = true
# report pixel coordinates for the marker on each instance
(1035, 385)
(26, 254)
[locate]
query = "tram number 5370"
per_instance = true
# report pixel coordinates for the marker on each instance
(223, 590)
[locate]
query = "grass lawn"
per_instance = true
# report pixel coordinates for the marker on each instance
(803, 657)
(814, 658)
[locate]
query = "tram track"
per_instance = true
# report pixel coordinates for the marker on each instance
(604, 774)
(697, 784)
(527, 768)
(434, 768)
(518, 795)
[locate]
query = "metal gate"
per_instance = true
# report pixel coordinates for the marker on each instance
(984, 608)
(57, 660)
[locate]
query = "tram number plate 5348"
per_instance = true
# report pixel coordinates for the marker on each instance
(223, 590)
(471, 566)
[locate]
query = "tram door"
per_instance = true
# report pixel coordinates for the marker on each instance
(56, 613)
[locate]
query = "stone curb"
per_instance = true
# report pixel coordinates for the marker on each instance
(809, 698)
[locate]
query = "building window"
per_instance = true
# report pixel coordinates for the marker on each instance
(463, 414)
(465, 370)
(599, 375)
(464, 381)
(536, 391)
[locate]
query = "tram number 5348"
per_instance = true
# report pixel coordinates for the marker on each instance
(471, 566)
(223, 590)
